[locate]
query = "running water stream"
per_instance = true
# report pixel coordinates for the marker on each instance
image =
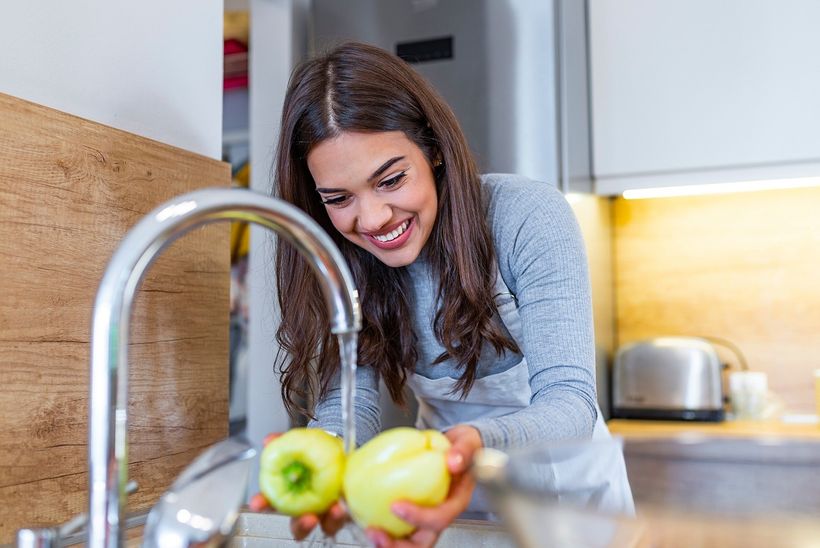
(347, 351)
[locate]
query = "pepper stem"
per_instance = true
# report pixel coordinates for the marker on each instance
(297, 476)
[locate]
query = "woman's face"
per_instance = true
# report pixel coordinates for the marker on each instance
(379, 191)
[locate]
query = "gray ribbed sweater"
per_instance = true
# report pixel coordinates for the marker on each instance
(541, 259)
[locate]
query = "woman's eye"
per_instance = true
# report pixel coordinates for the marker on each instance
(392, 181)
(335, 200)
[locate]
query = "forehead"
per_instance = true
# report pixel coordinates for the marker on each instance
(354, 156)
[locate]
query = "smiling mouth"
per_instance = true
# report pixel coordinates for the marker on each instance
(393, 234)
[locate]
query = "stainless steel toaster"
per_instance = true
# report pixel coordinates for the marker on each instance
(673, 378)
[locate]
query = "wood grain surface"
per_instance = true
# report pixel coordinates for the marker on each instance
(69, 191)
(768, 430)
(739, 266)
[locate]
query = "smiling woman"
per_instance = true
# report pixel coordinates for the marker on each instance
(390, 210)
(361, 132)
(474, 289)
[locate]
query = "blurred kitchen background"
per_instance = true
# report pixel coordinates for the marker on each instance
(684, 134)
(693, 102)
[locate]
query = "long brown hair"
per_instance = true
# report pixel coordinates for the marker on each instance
(357, 87)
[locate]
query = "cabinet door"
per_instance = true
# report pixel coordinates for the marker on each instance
(698, 91)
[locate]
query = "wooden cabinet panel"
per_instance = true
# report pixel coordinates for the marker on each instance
(69, 190)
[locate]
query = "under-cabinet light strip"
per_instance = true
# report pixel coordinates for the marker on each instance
(720, 188)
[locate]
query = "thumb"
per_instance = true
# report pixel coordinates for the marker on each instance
(270, 437)
(465, 441)
(456, 461)
(258, 503)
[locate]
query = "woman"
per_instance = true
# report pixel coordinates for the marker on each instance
(474, 289)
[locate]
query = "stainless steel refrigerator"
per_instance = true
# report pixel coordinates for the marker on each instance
(514, 71)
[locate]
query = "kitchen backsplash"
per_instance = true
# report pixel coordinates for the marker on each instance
(745, 267)
(594, 214)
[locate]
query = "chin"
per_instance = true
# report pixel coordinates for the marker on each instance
(397, 260)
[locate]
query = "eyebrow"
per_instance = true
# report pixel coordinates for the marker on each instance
(376, 174)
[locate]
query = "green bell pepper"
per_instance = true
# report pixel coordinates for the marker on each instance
(301, 471)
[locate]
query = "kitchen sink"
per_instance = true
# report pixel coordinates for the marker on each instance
(270, 530)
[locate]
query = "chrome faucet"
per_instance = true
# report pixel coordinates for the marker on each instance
(108, 447)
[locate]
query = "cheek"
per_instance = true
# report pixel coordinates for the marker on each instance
(429, 203)
(421, 199)
(341, 220)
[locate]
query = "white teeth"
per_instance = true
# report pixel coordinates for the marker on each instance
(393, 234)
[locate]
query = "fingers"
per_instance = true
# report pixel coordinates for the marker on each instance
(378, 537)
(334, 519)
(439, 517)
(434, 519)
(456, 462)
(465, 441)
(422, 538)
(270, 437)
(331, 522)
(429, 522)
(258, 503)
(302, 526)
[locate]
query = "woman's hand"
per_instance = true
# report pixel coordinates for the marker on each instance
(430, 522)
(331, 521)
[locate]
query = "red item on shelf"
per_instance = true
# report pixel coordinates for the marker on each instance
(235, 82)
(232, 45)
(235, 63)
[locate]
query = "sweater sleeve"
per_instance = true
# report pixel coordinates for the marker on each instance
(328, 410)
(542, 259)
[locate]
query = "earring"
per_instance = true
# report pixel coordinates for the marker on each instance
(437, 162)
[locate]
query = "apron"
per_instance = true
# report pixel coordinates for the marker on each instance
(576, 473)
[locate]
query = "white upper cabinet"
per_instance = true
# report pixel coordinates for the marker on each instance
(703, 91)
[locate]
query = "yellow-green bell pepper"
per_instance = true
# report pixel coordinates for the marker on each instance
(398, 464)
(301, 471)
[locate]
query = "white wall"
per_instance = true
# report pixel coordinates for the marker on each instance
(153, 68)
(278, 40)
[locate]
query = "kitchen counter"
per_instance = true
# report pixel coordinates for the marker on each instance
(656, 529)
(726, 484)
(272, 530)
(630, 429)
(738, 469)
(687, 530)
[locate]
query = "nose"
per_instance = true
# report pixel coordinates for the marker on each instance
(374, 214)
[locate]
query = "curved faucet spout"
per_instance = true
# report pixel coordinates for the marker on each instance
(112, 310)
